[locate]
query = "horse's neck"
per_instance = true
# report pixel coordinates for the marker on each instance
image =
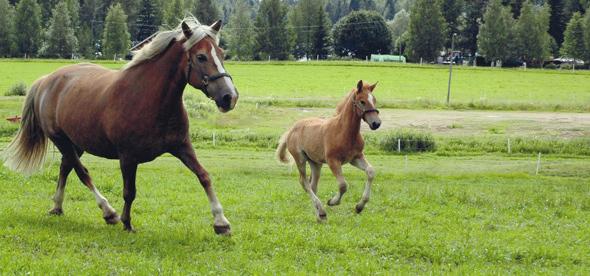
(348, 120)
(162, 76)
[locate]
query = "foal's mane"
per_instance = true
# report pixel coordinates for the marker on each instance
(162, 40)
(345, 102)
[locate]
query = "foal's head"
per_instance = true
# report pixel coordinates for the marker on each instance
(205, 69)
(364, 104)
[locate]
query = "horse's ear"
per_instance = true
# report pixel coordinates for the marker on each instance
(217, 25)
(359, 86)
(186, 30)
(372, 87)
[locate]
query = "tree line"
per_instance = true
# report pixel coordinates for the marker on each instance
(500, 30)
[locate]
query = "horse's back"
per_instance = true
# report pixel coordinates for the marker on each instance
(70, 103)
(307, 136)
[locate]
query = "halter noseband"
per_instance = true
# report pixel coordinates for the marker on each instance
(206, 78)
(364, 111)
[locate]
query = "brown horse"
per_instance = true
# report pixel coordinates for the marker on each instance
(335, 141)
(135, 114)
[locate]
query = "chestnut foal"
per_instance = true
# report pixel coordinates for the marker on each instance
(335, 141)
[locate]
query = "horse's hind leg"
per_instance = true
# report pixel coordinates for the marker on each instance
(362, 164)
(69, 153)
(316, 169)
(336, 168)
(64, 170)
(301, 163)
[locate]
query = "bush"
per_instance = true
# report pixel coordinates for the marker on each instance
(19, 89)
(550, 66)
(410, 141)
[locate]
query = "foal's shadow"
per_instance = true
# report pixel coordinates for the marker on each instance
(159, 238)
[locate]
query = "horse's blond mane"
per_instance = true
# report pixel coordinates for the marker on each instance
(163, 38)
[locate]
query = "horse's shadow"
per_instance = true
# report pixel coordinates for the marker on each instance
(160, 239)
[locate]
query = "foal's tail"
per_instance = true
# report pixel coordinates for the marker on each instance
(281, 152)
(26, 153)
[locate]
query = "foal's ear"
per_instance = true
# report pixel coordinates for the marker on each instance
(359, 86)
(217, 25)
(372, 87)
(186, 30)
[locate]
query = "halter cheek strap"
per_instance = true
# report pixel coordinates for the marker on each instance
(364, 111)
(206, 78)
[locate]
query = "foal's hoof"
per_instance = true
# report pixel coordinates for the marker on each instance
(129, 229)
(224, 230)
(333, 204)
(56, 212)
(112, 218)
(359, 208)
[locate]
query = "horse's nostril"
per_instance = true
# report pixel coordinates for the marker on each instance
(227, 98)
(376, 125)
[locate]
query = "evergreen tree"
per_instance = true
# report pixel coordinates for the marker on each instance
(116, 38)
(74, 12)
(556, 20)
(175, 13)
(360, 34)
(207, 11)
(451, 10)
(573, 43)
(28, 20)
(90, 29)
(354, 5)
(321, 37)
(147, 20)
(389, 10)
(240, 32)
(474, 10)
(531, 33)
(426, 30)
(131, 9)
(273, 38)
(46, 9)
(305, 20)
(60, 39)
(586, 26)
(6, 29)
(496, 32)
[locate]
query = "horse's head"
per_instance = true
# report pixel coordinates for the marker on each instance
(364, 104)
(205, 69)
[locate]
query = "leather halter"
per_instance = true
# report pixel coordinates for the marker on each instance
(206, 78)
(364, 111)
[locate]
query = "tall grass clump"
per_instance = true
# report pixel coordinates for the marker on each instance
(409, 141)
(18, 89)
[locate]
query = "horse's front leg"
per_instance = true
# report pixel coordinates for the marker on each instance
(186, 154)
(128, 170)
(362, 164)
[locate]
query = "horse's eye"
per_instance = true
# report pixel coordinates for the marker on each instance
(202, 58)
(363, 102)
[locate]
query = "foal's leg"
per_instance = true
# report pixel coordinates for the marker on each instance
(301, 162)
(69, 153)
(362, 164)
(316, 169)
(186, 154)
(336, 168)
(128, 170)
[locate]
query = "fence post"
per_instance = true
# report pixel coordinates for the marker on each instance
(399, 145)
(214, 138)
(509, 148)
(420, 61)
(538, 163)
(406, 163)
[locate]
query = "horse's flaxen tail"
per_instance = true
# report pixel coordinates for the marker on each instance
(26, 153)
(281, 152)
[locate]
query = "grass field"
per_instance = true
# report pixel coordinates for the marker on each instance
(407, 86)
(467, 208)
(492, 216)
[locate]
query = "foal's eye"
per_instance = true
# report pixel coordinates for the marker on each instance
(202, 58)
(362, 102)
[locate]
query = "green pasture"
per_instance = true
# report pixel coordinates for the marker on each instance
(469, 207)
(483, 214)
(409, 86)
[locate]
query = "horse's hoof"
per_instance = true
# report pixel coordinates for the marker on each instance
(129, 229)
(323, 217)
(358, 208)
(56, 212)
(224, 230)
(112, 218)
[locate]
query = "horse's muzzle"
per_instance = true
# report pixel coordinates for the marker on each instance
(227, 102)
